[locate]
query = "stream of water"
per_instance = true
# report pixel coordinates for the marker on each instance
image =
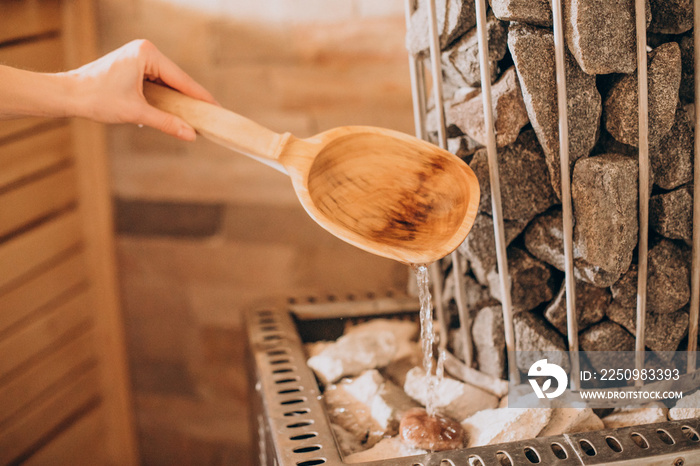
(428, 338)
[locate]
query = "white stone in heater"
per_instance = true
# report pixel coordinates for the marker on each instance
(636, 415)
(501, 425)
(387, 448)
(686, 408)
(453, 398)
(571, 420)
(352, 354)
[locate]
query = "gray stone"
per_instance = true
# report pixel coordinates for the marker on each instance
(476, 295)
(432, 122)
(537, 12)
(532, 282)
(535, 340)
(608, 144)
(671, 16)
(544, 240)
(462, 59)
(671, 214)
(606, 336)
(624, 291)
(463, 147)
(509, 112)
(525, 188)
(672, 159)
(621, 104)
(664, 332)
(533, 53)
(591, 303)
(488, 335)
(687, 88)
(454, 18)
(604, 196)
(601, 35)
(668, 280)
(480, 246)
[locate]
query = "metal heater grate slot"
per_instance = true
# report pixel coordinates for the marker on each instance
(291, 429)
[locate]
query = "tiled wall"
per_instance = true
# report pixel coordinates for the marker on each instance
(204, 233)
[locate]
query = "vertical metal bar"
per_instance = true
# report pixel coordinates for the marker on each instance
(465, 322)
(640, 12)
(437, 74)
(567, 211)
(438, 97)
(417, 73)
(695, 261)
(442, 140)
(499, 233)
(443, 324)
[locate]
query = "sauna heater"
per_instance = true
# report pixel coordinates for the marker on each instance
(291, 425)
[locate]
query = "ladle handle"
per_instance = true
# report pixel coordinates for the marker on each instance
(222, 126)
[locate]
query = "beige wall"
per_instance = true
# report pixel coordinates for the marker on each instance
(204, 233)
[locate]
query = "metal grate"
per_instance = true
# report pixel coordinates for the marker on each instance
(293, 429)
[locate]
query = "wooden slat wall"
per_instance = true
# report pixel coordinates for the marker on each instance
(64, 395)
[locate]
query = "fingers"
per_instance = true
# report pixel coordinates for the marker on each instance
(167, 123)
(158, 66)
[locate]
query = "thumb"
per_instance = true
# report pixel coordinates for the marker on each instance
(167, 123)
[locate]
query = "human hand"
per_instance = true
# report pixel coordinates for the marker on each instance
(110, 89)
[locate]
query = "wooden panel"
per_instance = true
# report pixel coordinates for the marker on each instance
(69, 416)
(41, 55)
(19, 437)
(23, 253)
(36, 200)
(24, 157)
(37, 292)
(66, 319)
(22, 18)
(12, 127)
(82, 444)
(75, 357)
(80, 33)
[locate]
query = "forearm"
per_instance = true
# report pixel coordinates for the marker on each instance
(26, 93)
(107, 90)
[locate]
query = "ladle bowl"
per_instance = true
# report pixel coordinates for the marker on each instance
(381, 190)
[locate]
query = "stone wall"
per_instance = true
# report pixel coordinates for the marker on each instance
(204, 233)
(601, 80)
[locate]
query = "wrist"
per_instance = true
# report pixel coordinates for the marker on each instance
(73, 101)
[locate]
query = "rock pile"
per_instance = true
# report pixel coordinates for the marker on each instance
(378, 413)
(601, 82)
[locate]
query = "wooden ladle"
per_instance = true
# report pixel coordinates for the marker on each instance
(383, 191)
